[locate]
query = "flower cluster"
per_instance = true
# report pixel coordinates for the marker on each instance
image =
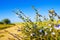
(46, 28)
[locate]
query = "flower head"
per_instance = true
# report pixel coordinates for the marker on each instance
(33, 34)
(53, 33)
(57, 26)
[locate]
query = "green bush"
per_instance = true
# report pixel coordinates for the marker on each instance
(1, 23)
(6, 21)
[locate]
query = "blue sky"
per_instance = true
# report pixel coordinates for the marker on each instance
(7, 6)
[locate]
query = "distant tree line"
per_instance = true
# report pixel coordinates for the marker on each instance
(5, 21)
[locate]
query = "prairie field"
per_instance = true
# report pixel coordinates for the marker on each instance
(7, 32)
(5, 35)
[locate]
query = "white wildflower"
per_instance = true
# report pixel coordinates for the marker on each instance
(49, 24)
(33, 34)
(53, 33)
(40, 30)
(50, 29)
(46, 33)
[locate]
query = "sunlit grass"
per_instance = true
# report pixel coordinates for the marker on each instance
(3, 26)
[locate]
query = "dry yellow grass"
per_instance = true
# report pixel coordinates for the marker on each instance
(14, 30)
(3, 26)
